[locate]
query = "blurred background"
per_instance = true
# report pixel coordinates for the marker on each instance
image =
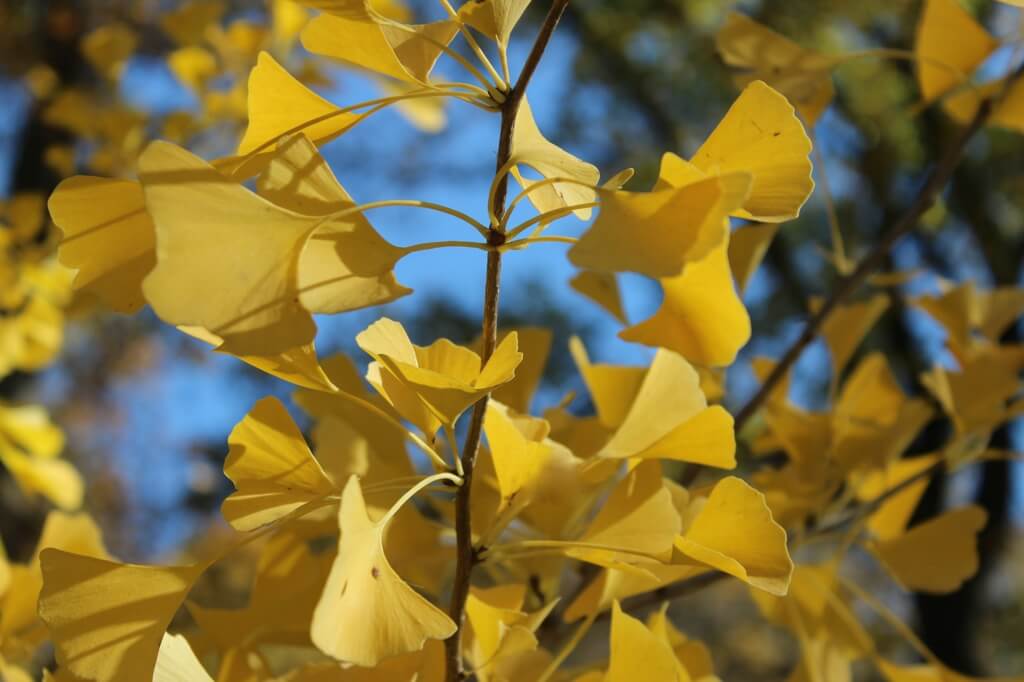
(85, 84)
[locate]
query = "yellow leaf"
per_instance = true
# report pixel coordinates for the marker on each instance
(280, 105)
(280, 607)
(535, 345)
(847, 326)
(362, 38)
(734, 532)
(193, 66)
(29, 428)
(637, 519)
(890, 520)
(747, 248)
(759, 135)
(425, 113)
(669, 418)
(189, 21)
(874, 422)
(71, 532)
(299, 365)
(176, 662)
(937, 555)
(432, 385)
(975, 397)
(494, 18)
(656, 233)
(216, 235)
(701, 317)
(108, 237)
(517, 450)
(613, 388)
(949, 46)
(345, 263)
(367, 613)
(531, 148)
(54, 479)
(637, 653)
(603, 289)
(802, 75)
(272, 468)
(109, 47)
(107, 619)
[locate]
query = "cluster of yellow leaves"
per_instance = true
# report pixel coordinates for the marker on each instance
(949, 47)
(34, 289)
(355, 535)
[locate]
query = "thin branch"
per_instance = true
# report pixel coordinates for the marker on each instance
(925, 199)
(465, 553)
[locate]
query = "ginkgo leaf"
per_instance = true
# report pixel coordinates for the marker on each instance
(603, 289)
(692, 654)
(29, 428)
(55, 479)
(688, 431)
(352, 438)
(937, 555)
(637, 653)
(499, 629)
(657, 233)
(367, 613)
(401, 51)
(874, 422)
(109, 47)
(279, 607)
(949, 46)
(759, 135)
(194, 66)
(974, 397)
(613, 388)
(187, 23)
(638, 518)
(272, 468)
(216, 235)
(279, 105)
(701, 316)
(107, 619)
(847, 326)
(69, 532)
(345, 262)
(535, 345)
(517, 451)
(176, 662)
(747, 248)
(890, 520)
(494, 18)
(108, 237)
(802, 75)
(299, 365)
(530, 148)
(734, 532)
(425, 113)
(433, 385)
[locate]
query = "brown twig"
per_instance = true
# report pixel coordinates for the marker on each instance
(925, 199)
(466, 553)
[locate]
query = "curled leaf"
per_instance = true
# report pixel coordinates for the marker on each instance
(367, 612)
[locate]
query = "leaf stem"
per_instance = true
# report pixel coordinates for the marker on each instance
(412, 492)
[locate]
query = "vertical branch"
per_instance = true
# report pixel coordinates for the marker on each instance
(466, 553)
